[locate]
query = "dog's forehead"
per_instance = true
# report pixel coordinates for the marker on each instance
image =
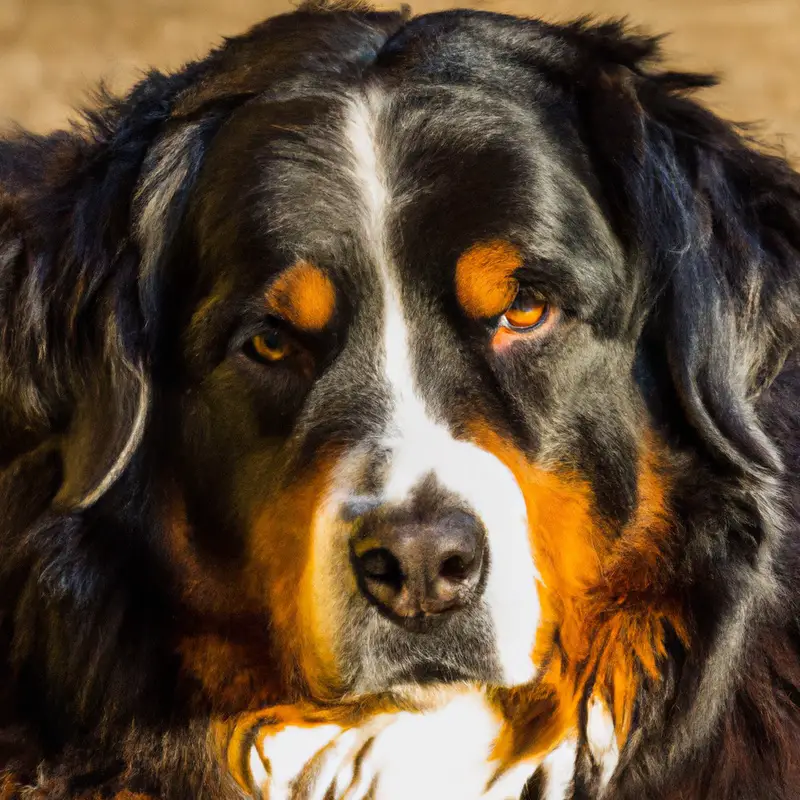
(394, 171)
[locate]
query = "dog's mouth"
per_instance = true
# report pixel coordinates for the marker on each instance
(427, 673)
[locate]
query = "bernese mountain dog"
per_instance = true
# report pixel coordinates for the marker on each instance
(402, 408)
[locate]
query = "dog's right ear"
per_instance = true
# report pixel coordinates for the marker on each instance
(73, 361)
(86, 216)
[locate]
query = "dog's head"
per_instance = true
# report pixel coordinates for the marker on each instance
(390, 330)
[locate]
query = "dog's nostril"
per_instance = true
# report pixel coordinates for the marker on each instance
(456, 568)
(379, 564)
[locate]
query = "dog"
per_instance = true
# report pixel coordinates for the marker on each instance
(401, 406)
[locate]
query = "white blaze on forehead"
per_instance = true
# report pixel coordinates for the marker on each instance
(420, 446)
(361, 132)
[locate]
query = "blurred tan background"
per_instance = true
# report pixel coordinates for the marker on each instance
(52, 52)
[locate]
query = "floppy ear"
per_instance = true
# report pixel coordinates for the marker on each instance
(714, 222)
(74, 390)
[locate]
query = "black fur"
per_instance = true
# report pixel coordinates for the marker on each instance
(96, 324)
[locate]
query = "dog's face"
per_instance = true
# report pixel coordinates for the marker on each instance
(371, 315)
(408, 381)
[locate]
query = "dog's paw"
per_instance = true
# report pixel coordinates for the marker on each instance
(443, 753)
(439, 754)
(601, 740)
(556, 776)
(558, 772)
(284, 760)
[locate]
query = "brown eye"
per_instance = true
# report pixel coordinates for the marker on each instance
(526, 312)
(270, 346)
(528, 317)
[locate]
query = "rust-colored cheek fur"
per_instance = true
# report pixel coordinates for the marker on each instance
(605, 610)
(485, 283)
(304, 296)
(281, 552)
(245, 640)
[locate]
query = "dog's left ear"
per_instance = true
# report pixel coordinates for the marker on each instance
(714, 224)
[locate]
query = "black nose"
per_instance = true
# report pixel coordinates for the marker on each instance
(419, 569)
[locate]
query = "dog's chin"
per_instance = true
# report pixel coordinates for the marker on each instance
(377, 656)
(429, 673)
(424, 680)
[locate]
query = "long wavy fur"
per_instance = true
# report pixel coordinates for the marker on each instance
(91, 698)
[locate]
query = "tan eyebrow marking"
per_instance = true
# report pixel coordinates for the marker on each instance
(485, 284)
(304, 296)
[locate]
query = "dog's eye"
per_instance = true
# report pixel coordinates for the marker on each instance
(529, 316)
(271, 346)
(528, 311)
